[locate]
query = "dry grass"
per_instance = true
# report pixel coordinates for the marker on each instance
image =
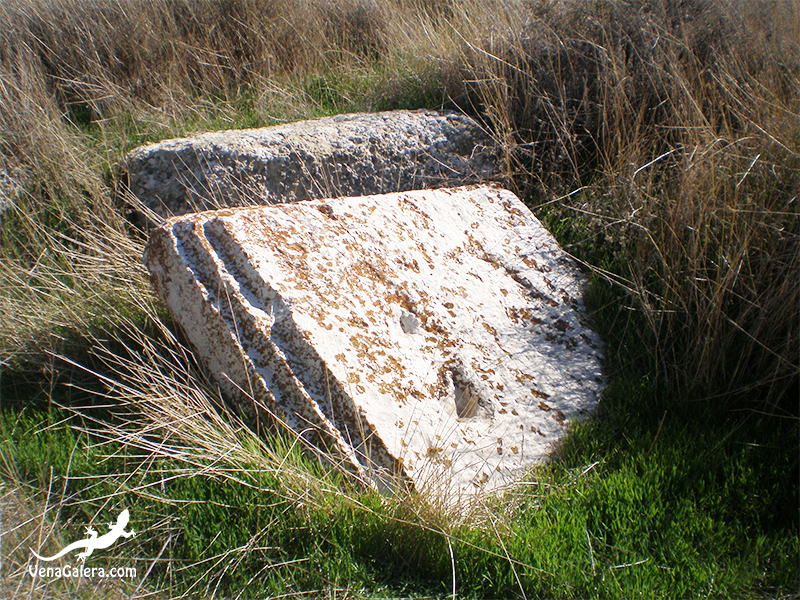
(679, 127)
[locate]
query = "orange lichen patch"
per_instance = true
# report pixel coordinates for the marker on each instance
(433, 451)
(524, 314)
(562, 325)
(530, 263)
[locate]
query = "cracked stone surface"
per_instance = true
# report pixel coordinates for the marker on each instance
(345, 155)
(435, 337)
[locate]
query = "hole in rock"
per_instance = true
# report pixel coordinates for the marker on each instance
(467, 399)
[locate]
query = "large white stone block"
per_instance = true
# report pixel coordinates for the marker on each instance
(436, 336)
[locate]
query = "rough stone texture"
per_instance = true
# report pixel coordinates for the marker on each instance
(437, 336)
(346, 155)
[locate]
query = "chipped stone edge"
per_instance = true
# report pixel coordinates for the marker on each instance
(207, 325)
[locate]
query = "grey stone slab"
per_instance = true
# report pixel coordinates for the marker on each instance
(345, 155)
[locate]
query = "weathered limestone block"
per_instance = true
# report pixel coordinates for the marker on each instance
(433, 336)
(346, 155)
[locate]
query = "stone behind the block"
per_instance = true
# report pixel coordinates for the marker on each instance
(436, 336)
(345, 155)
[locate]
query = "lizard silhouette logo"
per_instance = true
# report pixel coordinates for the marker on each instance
(95, 542)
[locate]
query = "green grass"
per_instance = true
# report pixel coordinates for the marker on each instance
(650, 499)
(662, 150)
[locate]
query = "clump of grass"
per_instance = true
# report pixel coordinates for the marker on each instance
(671, 135)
